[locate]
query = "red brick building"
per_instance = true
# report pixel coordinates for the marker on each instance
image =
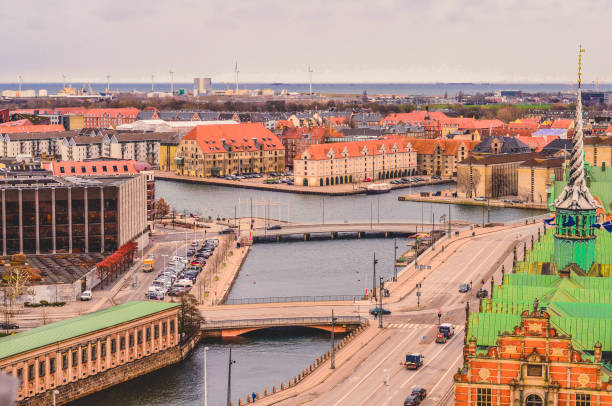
(297, 139)
(532, 365)
(109, 118)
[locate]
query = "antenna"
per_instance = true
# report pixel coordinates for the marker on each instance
(236, 74)
(107, 83)
(310, 78)
(152, 82)
(172, 82)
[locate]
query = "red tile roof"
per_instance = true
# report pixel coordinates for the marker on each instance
(245, 136)
(355, 148)
(92, 168)
(413, 116)
(562, 123)
(112, 112)
(449, 147)
(32, 128)
(537, 143)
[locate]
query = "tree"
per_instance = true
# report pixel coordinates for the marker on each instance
(15, 282)
(190, 318)
(161, 208)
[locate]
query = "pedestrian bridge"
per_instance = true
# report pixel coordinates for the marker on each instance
(233, 328)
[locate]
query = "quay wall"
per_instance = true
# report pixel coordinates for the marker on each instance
(113, 376)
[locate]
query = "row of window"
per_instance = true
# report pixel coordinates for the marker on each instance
(484, 398)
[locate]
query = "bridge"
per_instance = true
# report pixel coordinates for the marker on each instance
(306, 232)
(233, 328)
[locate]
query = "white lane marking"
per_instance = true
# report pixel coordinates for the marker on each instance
(446, 373)
(372, 370)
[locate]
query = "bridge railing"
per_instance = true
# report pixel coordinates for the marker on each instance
(290, 299)
(285, 321)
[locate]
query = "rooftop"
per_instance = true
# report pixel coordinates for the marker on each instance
(78, 326)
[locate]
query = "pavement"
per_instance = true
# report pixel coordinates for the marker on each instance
(374, 357)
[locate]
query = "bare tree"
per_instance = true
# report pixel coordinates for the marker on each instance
(15, 284)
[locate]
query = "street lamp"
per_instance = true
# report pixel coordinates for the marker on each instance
(229, 376)
(333, 348)
(205, 380)
(395, 259)
(374, 262)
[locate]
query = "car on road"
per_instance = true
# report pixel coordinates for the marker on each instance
(190, 252)
(154, 294)
(412, 400)
(375, 311)
(517, 201)
(86, 295)
(4, 325)
(440, 338)
(367, 179)
(420, 392)
(464, 288)
(176, 291)
(482, 293)
(274, 227)
(226, 230)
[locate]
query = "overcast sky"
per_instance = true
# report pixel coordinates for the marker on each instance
(275, 40)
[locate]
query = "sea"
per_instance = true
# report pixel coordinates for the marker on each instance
(400, 89)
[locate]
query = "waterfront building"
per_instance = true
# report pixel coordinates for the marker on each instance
(47, 214)
(297, 139)
(440, 156)
(89, 353)
(212, 150)
(352, 162)
(109, 117)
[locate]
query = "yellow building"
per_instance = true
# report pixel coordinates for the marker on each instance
(534, 178)
(351, 162)
(440, 156)
(167, 153)
(598, 151)
(211, 150)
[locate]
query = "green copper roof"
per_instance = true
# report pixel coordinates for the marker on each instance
(487, 326)
(77, 326)
(599, 184)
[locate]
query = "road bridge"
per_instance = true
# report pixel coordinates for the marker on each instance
(232, 328)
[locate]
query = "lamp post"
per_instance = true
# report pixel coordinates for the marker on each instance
(395, 259)
(380, 306)
(374, 262)
(205, 379)
(229, 376)
(333, 349)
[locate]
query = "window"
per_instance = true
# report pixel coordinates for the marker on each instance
(114, 168)
(113, 346)
(122, 343)
(103, 349)
(83, 169)
(534, 370)
(75, 358)
(534, 400)
(148, 334)
(483, 397)
(94, 169)
(31, 372)
(84, 355)
(65, 360)
(62, 169)
(171, 326)
(125, 168)
(51, 365)
(72, 170)
(41, 368)
(583, 399)
(156, 331)
(104, 168)
(164, 328)
(139, 337)
(131, 340)
(94, 354)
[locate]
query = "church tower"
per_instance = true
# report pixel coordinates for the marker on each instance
(575, 207)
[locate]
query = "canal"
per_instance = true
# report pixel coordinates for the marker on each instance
(223, 201)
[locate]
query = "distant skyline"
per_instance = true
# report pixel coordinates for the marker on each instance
(387, 41)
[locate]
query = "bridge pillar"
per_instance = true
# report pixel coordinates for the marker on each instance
(306, 236)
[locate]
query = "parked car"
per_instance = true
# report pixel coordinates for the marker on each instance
(412, 400)
(517, 201)
(8, 326)
(190, 252)
(155, 294)
(86, 295)
(420, 392)
(176, 290)
(375, 311)
(464, 288)
(480, 198)
(367, 179)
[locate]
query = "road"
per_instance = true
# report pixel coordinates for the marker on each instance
(363, 368)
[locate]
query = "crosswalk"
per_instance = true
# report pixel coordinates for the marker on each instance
(408, 325)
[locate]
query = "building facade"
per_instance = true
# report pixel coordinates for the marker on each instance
(109, 118)
(352, 162)
(60, 355)
(440, 156)
(46, 214)
(213, 150)
(535, 177)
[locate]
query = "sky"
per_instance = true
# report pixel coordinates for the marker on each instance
(385, 41)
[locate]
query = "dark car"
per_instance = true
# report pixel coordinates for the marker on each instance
(412, 400)
(375, 311)
(274, 227)
(227, 230)
(420, 392)
(8, 326)
(464, 288)
(482, 293)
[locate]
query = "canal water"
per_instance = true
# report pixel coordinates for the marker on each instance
(262, 360)
(223, 201)
(332, 267)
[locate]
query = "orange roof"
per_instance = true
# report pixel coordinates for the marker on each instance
(92, 168)
(449, 147)
(22, 122)
(418, 115)
(245, 136)
(562, 123)
(355, 148)
(71, 110)
(537, 143)
(112, 112)
(337, 119)
(283, 123)
(44, 128)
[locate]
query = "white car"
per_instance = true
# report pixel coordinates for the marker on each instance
(86, 295)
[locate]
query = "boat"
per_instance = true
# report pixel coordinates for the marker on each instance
(378, 188)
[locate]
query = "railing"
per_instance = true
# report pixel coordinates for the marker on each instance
(290, 299)
(288, 321)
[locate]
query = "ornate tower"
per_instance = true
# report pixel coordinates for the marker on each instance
(575, 207)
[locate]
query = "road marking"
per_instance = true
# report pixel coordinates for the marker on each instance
(373, 370)
(446, 373)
